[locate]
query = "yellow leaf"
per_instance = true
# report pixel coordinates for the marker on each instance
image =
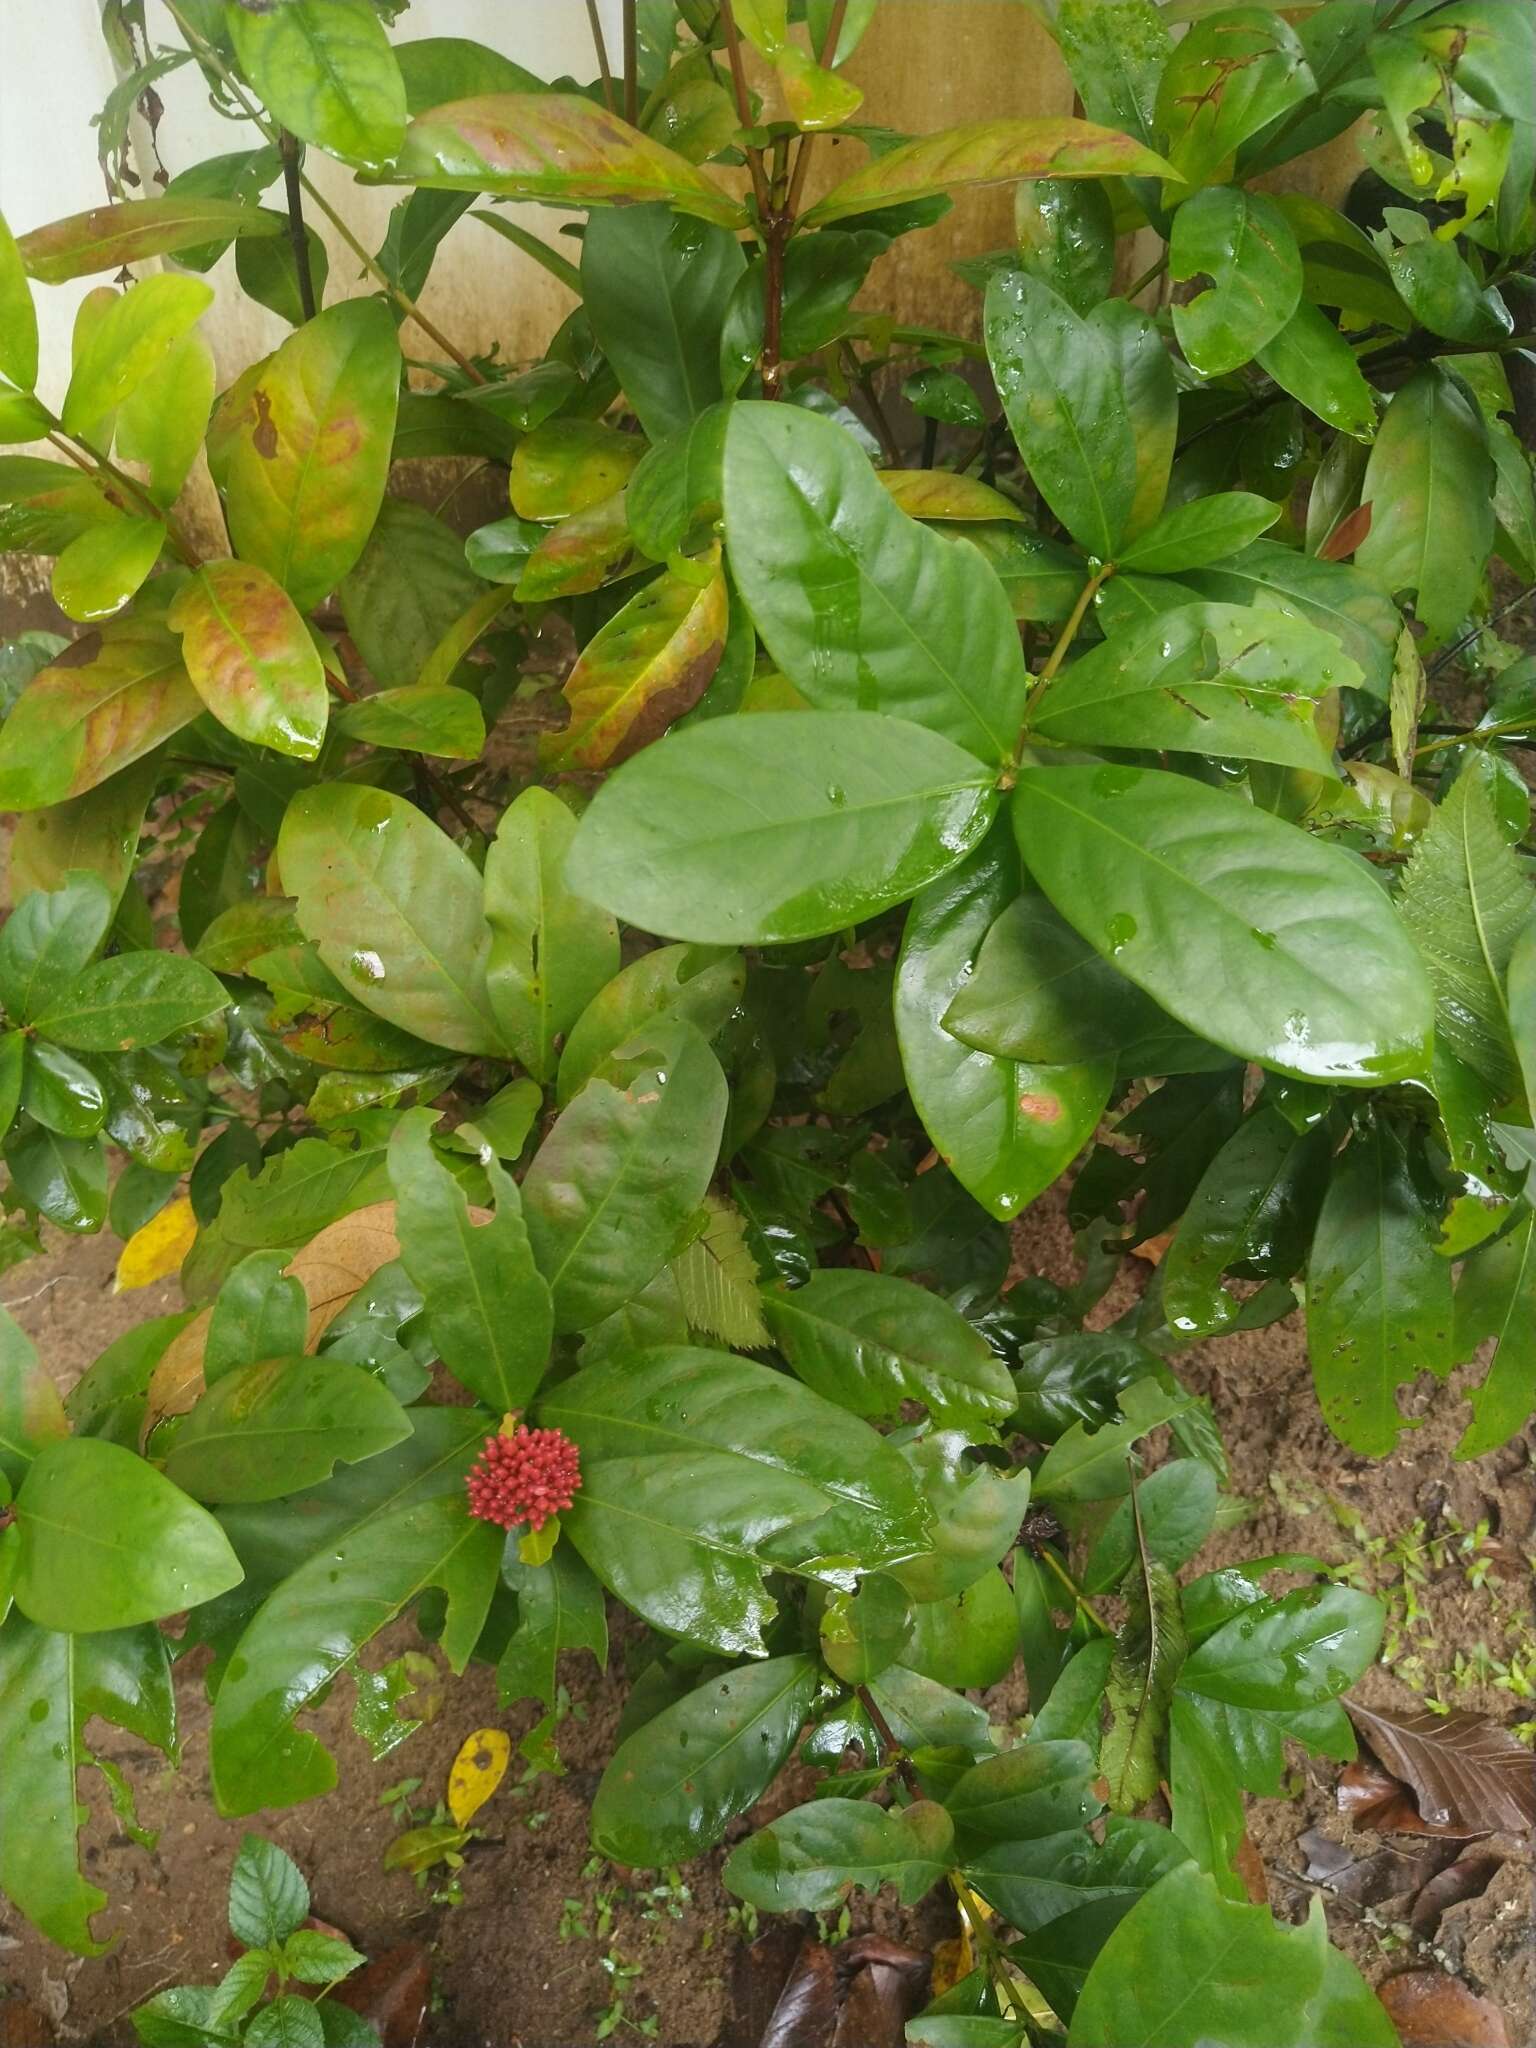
(157, 1250)
(477, 1770)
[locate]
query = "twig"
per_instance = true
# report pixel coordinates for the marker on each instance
(210, 56)
(1149, 276)
(601, 48)
(1443, 661)
(1066, 636)
(288, 147)
(631, 63)
(84, 456)
(1080, 1599)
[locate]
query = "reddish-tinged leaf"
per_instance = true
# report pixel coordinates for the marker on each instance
(988, 153)
(645, 668)
(556, 147)
(1431, 2010)
(393, 1992)
(1465, 1772)
(581, 553)
(108, 698)
(1347, 535)
(251, 659)
(806, 2013)
(109, 236)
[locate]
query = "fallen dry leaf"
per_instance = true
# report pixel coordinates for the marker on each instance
(177, 1381)
(1431, 2010)
(1464, 1771)
(1249, 1865)
(156, 1251)
(1467, 1878)
(1386, 1873)
(478, 1769)
(334, 1265)
(1373, 1798)
(805, 2015)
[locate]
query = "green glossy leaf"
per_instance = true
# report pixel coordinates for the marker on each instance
(1187, 1966)
(1244, 244)
(487, 1308)
(98, 831)
(106, 1541)
(250, 657)
(1286, 951)
(437, 69)
(643, 670)
(1006, 1129)
(1230, 76)
(1378, 1291)
(986, 153)
(407, 588)
(1062, 388)
(134, 334)
(702, 1472)
(1253, 1209)
(49, 938)
(703, 984)
(852, 812)
(291, 1199)
(64, 1179)
(1430, 484)
(1443, 293)
(367, 865)
(977, 1512)
(440, 721)
(1066, 237)
(130, 1000)
(317, 1619)
(308, 448)
(1087, 1465)
(626, 1165)
(260, 1314)
(1496, 1300)
(110, 237)
(861, 608)
(655, 288)
(674, 492)
(1217, 679)
(1115, 51)
(18, 317)
(1311, 360)
(59, 1092)
(1202, 530)
(863, 1634)
(265, 1429)
(717, 1280)
(268, 272)
(971, 1639)
(1467, 897)
(112, 695)
(101, 569)
(50, 1687)
(559, 1608)
(556, 147)
(268, 1898)
(1176, 1505)
(325, 70)
(31, 1413)
(162, 423)
(1033, 1883)
(806, 1860)
(869, 1342)
(672, 1790)
(1332, 595)
(568, 466)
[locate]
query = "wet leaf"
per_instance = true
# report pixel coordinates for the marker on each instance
(477, 1770)
(18, 317)
(985, 153)
(1227, 79)
(109, 237)
(113, 694)
(134, 333)
(1244, 244)
(324, 69)
(441, 721)
(250, 657)
(807, 1860)
(101, 569)
(556, 147)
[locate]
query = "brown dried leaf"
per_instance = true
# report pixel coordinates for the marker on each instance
(334, 1265)
(874, 2013)
(1249, 1865)
(806, 2013)
(1466, 1773)
(177, 1381)
(1347, 535)
(1386, 1873)
(1431, 2010)
(1373, 1798)
(1467, 1878)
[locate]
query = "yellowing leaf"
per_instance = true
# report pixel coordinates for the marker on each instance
(478, 1769)
(335, 1264)
(158, 1249)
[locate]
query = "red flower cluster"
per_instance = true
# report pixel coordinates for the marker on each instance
(525, 1475)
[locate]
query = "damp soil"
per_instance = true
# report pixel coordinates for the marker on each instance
(544, 1937)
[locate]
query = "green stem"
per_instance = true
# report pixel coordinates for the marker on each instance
(1473, 735)
(1080, 1599)
(1149, 276)
(1064, 639)
(84, 456)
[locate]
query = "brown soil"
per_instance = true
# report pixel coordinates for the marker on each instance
(526, 1960)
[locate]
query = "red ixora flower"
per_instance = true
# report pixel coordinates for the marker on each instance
(523, 1475)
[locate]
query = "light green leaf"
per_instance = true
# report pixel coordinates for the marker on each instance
(717, 1281)
(250, 657)
(18, 317)
(106, 1541)
(852, 812)
(1311, 360)
(162, 423)
(1496, 1300)
(111, 237)
(102, 568)
(1229, 77)
(1243, 243)
(443, 721)
(51, 936)
(861, 608)
(325, 70)
(1149, 1648)
(1332, 595)
(365, 865)
(1298, 960)
(130, 1000)
(133, 336)
(1202, 530)
(31, 1413)
(267, 1429)
(703, 984)
(560, 1607)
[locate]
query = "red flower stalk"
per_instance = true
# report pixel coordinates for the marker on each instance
(524, 1475)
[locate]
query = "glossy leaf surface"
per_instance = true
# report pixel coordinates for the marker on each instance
(251, 659)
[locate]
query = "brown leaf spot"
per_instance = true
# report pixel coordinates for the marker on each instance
(264, 433)
(79, 653)
(1045, 1109)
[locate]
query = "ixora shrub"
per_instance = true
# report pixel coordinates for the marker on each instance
(593, 1177)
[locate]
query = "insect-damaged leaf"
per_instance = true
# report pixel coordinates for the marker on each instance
(250, 657)
(640, 672)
